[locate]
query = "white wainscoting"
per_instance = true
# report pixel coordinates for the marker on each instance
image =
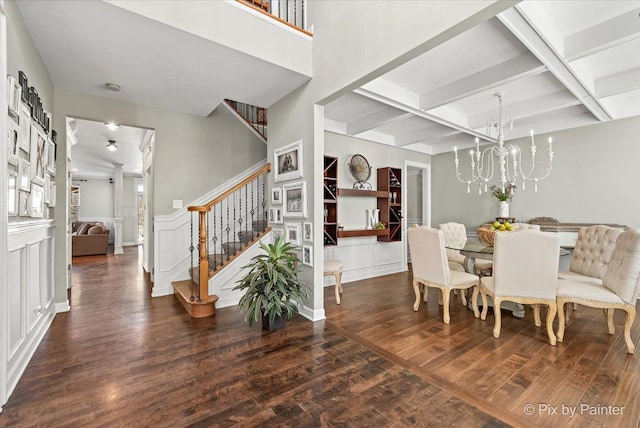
(30, 292)
(365, 257)
(172, 235)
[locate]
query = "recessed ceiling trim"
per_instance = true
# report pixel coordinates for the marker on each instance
(497, 75)
(613, 32)
(375, 120)
(420, 113)
(618, 83)
(521, 21)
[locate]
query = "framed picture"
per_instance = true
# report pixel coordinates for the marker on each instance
(23, 175)
(25, 128)
(47, 188)
(14, 95)
(288, 162)
(38, 155)
(12, 196)
(295, 199)
(13, 133)
(24, 86)
(276, 196)
(23, 203)
(36, 201)
(276, 234)
(52, 194)
(75, 196)
(292, 233)
(51, 157)
(275, 215)
(307, 255)
(307, 231)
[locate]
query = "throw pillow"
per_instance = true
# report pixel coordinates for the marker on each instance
(84, 229)
(96, 230)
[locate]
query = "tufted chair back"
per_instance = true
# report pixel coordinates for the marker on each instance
(593, 250)
(623, 274)
(525, 226)
(428, 258)
(454, 233)
(525, 264)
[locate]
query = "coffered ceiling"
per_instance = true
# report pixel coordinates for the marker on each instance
(558, 64)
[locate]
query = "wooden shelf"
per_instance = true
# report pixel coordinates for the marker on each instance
(362, 232)
(370, 193)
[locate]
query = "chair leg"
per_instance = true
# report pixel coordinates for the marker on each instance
(551, 314)
(575, 306)
(416, 289)
(446, 297)
(610, 326)
(425, 294)
(474, 302)
(485, 304)
(463, 295)
(338, 276)
(536, 316)
(631, 316)
(561, 321)
(498, 316)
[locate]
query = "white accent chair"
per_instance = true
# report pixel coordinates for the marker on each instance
(620, 287)
(430, 267)
(525, 271)
(455, 233)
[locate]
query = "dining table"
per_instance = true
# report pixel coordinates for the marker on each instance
(473, 249)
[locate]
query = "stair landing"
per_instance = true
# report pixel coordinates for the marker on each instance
(202, 309)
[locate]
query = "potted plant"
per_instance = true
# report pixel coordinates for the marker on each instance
(503, 195)
(272, 288)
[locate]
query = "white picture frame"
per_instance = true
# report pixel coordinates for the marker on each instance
(294, 199)
(23, 175)
(276, 233)
(14, 95)
(275, 215)
(13, 142)
(276, 196)
(51, 157)
(288, 162)
(36, 201)
(52, 194)
(307, 231)
(23, 203)
(47, 188)
(292, 233)
(38, 155)
(12, 194)
(307, 255)
(25, 128)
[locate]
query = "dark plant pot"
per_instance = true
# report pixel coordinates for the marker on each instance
(278, 322)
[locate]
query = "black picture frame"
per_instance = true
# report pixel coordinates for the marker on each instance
(24, 84)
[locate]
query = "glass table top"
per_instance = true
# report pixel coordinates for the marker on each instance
(477, 246)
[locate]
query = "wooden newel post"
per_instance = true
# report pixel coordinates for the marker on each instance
(203, 265)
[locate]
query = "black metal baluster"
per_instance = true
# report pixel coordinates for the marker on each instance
(215, 240)
(253, 209)
(228, 229)
(264, 215)
(234, 219)
(246, 217)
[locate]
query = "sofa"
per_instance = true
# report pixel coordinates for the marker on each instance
(89, 239)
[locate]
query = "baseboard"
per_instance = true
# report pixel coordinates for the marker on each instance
(63, 307)
(311, 314)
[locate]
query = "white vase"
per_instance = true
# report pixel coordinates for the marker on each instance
(503, 209)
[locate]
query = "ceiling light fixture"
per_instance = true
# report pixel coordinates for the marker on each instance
(482, 162)
(112, 126)
(112, 146)
(113, 86)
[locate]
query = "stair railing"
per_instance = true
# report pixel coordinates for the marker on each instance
(226, 226)
(290, 12)
(255, 116)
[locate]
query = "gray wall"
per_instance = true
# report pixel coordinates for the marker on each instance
(342, 61)
(351, 212)
(413, 198)
(96, 198)
(594, 180)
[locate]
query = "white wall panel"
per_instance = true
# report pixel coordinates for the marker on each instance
(14, 300)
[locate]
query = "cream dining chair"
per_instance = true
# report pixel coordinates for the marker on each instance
(430, 267)
(620, 287)
(525, 271)
(455, 233)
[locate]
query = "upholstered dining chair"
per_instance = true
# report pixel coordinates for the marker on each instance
(525, 226)
(525, 270)
(620, 287)
(455, 233)
(430, 267)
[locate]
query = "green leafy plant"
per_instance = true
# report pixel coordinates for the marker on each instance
(272, 285)
(506, 195)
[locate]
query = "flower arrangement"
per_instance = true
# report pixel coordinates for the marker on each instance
(506, 195)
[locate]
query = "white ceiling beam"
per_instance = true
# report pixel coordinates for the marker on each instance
(524, 21)
(544, 104)
(335, 126)
(375, 120)
(618, 83)
(604, 35)
(427, 136)
(392, 91)
(514, 69)
(420, 113)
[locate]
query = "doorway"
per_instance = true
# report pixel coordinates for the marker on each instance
(417, 201)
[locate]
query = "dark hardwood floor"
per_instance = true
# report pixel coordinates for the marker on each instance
(122, 358)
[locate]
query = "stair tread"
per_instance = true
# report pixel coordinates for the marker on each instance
(184, 288)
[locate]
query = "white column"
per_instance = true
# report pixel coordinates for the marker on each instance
(118, 220)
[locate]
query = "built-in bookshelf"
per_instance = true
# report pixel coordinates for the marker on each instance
(391, 206)
(330, 188)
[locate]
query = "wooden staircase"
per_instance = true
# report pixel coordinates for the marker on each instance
(227, 227)
(253, 116)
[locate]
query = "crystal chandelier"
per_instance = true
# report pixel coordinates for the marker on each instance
(483, 162)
